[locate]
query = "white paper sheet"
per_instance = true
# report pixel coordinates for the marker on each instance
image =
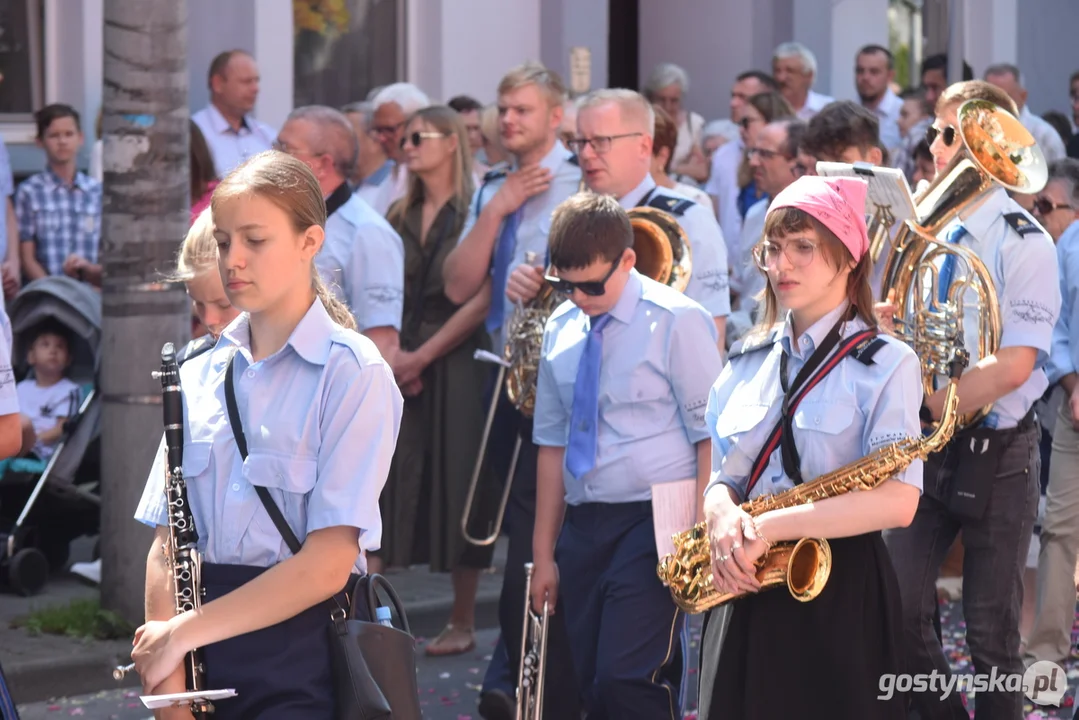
(154, 702)
(887, 186)
(674, 510)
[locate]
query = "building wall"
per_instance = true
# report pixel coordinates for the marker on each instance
(1046, 52)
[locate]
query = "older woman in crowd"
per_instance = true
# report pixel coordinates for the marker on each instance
(666, 87)
(663, 144)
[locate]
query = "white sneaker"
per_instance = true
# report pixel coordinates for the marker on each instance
(88, 570)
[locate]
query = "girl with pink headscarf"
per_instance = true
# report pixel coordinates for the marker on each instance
(816, 387)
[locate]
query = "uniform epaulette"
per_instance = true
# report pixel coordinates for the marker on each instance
(574, 160)
(1022, 223)
(195, 348)
(866, 349)
(675, 206)
(758, 343)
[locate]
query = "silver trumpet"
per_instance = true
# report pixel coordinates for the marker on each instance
(530, 674)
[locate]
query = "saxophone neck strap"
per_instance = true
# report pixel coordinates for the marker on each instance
(816, 369)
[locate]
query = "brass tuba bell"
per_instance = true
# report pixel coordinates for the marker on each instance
(996, 151)
(662, 247)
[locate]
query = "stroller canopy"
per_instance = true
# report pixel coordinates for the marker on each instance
(66, 301)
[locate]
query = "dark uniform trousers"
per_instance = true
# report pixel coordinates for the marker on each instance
(561, 699)
(623, 626)
(995, 553)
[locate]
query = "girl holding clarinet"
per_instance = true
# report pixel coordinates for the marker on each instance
(320, 412)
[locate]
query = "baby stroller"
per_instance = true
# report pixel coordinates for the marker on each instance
(44, 505)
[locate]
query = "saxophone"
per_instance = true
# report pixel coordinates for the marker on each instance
(182, 550)
(803, 566)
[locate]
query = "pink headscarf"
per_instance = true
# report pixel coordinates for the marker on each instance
(838, 202)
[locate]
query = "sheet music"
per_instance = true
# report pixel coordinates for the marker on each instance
(887, 186)
(674, 510)
(154, 702)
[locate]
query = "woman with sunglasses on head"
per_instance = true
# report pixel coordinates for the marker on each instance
(864, 391)
(985, 483)
(625, 371)
(442, 423)
(293, 400)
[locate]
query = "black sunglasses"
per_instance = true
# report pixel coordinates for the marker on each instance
(1043, 205)
(417, 137)
(593, 288)
(948, 135)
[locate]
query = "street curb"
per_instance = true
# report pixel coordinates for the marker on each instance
(90, 670)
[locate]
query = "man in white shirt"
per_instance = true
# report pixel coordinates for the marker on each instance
(1008, 78)
(874, 71)
(723, 181)
(794, 67)
(231, 132)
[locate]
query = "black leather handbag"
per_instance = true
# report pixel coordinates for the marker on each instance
(374, 665)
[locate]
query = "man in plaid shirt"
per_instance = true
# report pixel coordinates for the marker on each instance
(59, 210)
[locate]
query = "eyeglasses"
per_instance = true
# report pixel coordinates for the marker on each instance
(593, 288)
(416, 138)
(1043, 205)
(386, 129)
(600, 143)
(947, 134)
(799, 253)
(765, 154)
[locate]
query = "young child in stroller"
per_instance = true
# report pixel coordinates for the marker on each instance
(47, 397)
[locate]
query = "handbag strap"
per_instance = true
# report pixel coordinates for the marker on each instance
(241, 444)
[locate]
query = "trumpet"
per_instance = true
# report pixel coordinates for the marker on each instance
(532, 668)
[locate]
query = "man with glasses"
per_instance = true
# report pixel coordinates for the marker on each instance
(1057, 207)
(625, 373)
(985, 482)
(393, 105)
(614, 145)
(773, 155)
(507, 223)
(362, 260)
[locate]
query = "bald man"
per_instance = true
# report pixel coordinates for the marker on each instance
(362, 259)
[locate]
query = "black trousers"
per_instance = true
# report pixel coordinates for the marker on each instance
(561, 698)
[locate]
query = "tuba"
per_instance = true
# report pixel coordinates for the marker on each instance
(663, 254)
(802, 566)
(996, 151)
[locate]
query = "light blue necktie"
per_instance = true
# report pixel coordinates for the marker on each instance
(581, 450)
(507, 243)
(948, 268)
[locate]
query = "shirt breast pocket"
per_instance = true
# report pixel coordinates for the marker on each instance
(290, 481)
(827, 435)
(196, 459)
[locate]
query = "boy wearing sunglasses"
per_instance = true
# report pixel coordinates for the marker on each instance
(625, 373)
(985, 483)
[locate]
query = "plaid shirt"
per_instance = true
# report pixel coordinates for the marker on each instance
(60, 220)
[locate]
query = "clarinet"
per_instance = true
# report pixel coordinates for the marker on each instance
(184, 560)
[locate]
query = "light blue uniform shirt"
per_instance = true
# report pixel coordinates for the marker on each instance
(362, 261)
(535, 218)
(659, 360)
(321, 417)
(1064, 358)
(1025, 274)
(856, 409)
(709, 285)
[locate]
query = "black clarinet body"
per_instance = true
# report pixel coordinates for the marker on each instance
(183, 555)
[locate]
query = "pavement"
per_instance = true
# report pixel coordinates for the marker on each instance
(43, 667)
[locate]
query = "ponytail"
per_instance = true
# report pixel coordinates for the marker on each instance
(336, 309)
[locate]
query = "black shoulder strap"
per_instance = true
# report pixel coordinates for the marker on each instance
(675, 206)
(574, 160)
(745, 348)
(1021, 223)
(241, 444)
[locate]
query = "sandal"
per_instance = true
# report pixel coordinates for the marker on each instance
(444, 644)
